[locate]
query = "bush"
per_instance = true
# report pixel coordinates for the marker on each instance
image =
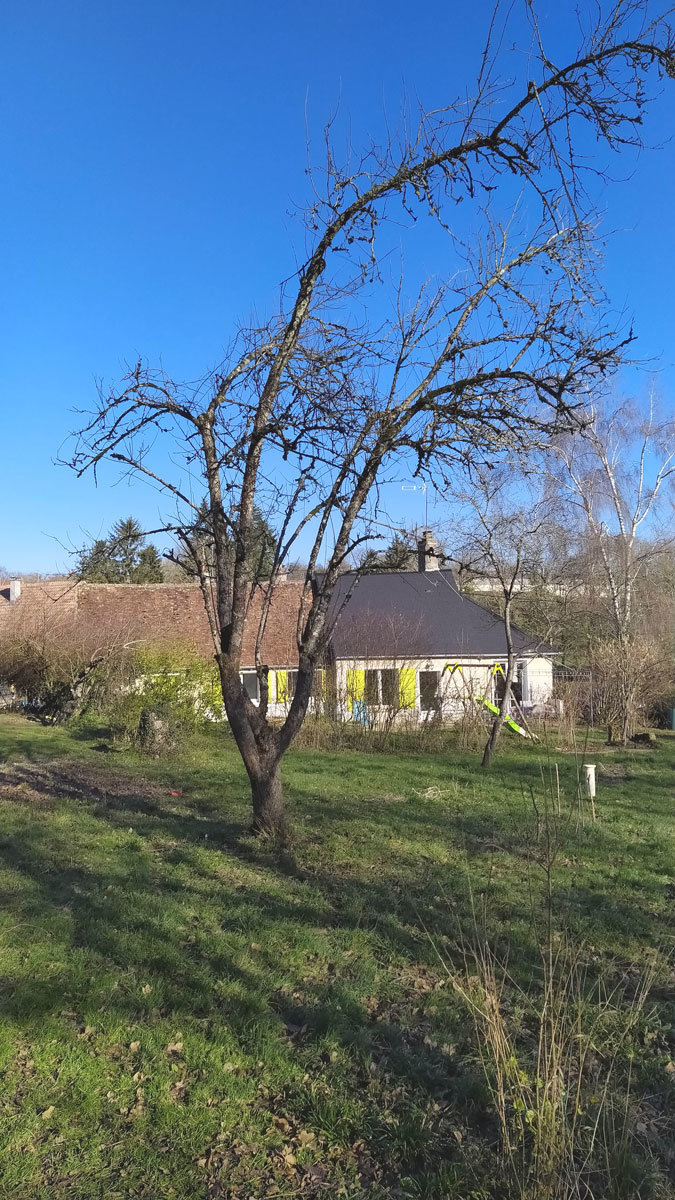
(59, 671)
(159, 732)
(173, 681)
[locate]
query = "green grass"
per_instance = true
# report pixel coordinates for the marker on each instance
(318, 1049)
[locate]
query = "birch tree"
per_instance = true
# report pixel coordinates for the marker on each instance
(615, 475)
(317, 406)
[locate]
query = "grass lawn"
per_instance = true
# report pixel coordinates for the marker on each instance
(185, 1013)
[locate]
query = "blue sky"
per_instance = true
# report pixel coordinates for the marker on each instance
(152, 154)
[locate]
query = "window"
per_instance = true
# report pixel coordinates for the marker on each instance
(371, 688)
(390, 696)
(516, 686)
(250, 682)
(429, 690)
(319, 685)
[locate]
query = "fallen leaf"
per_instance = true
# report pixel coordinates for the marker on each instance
(138, 1107)
(47, 1113)
(174, 1049)
(134, 1047)
(178, 1091)
(317, 1174)
(146, 989)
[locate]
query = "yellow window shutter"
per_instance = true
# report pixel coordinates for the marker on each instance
(282, 686)
(406, 687)
(356, 687)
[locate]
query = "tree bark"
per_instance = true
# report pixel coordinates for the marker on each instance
(261, 745)
(257, 743)
(269, 813)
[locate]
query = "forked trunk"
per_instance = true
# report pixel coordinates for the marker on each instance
(260, 753)
(262, 746)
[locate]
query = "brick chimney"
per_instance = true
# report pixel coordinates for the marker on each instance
(428, 552)
(14, 590)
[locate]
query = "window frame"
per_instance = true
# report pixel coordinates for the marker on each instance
(243, 675)
(436, 701)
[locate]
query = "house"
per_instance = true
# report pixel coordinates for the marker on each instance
(405, 644)
(411, 641)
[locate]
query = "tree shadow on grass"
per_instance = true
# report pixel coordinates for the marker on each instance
(141, 900)
(149, 906)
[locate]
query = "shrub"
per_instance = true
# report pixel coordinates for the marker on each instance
(59, 668)
(159, 731)
(173, 681)
(629, 681)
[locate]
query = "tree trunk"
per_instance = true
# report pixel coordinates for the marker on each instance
(258, 746)
(269, 814)
(491, 744)
(262, 746)
(628, 715)
(498, 723)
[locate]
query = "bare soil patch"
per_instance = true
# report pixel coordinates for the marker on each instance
(45, 782)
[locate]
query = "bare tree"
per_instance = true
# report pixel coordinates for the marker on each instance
(310, 411)
(614, 475)
(506, 518)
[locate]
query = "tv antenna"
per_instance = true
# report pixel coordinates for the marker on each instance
(419, 487)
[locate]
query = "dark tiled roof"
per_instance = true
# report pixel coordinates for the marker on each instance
(392, 614)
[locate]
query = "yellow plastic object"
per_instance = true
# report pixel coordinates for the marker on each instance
(356, 687)
(406, 687)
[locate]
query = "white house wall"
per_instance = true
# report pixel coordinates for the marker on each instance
(537, 681)
(456, 689)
